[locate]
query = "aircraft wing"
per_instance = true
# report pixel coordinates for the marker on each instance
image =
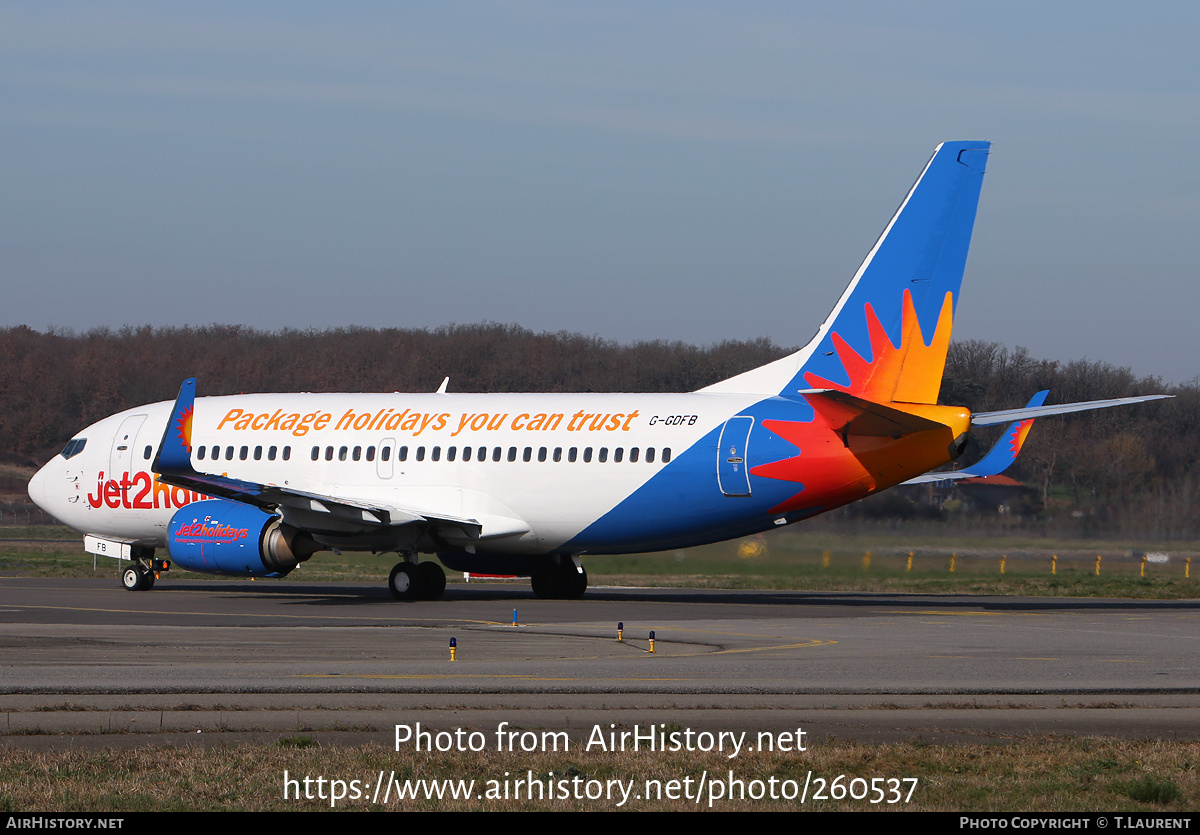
(305, 510)
(1000, 457)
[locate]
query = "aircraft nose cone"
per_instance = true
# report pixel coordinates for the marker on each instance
(37, 489)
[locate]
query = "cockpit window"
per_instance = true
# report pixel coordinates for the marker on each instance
(73, 447)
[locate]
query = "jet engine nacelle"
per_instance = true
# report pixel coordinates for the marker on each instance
(223, 537)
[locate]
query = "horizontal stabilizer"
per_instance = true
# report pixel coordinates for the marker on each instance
(992, 418)
(852, 415)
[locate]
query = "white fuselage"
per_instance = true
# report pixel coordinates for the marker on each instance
(557, 463)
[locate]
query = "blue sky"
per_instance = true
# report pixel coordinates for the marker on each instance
(692, 171)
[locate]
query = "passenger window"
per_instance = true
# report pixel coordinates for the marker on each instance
(437, 453)
(258, 453)
(402, 455)
(328, 453)
(482, 456)
(357, 453)
(271, 452)
(650, 455)
(200, 453)
(243, 453)
(228, 453)
(370, 453)
(420, 453)
(450, 453)
(496, 454)
(603, 454)
(541, 454)
(512, 453)
(587, 455)
(146, 453)
(557, 454)
(466, 453)
(527, 455)
(385, 453)
(572, 454)
(666, 457)
(633, 455)
(618, 454)
(287, 453)
(316, 453)
(342, 453)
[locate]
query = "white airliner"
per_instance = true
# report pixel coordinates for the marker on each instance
(526, 484)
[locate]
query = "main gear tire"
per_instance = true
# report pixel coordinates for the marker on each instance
(545, 583)
(432, 583)
(559, 580)
(574, 582)
(405, 581)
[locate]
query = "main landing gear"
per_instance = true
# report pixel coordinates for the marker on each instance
(417, 581)
(559, 578)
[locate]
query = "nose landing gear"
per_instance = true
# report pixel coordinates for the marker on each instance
(136, 578)
(142, 571)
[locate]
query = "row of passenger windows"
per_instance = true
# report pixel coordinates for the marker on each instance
(358, 453)
(213, 453)
(572, 454)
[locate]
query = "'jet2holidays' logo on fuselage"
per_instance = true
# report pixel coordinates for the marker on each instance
(203, 531)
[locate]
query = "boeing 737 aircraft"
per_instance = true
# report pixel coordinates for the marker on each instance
(526, 484)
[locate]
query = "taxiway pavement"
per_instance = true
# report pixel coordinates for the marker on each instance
(270, 656)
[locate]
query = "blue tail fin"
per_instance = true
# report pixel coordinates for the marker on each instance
(886, 340)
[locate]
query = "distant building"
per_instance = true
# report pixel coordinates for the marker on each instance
(999, 494)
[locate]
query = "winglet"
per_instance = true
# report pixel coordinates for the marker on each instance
(175, 451)
(1000, 457)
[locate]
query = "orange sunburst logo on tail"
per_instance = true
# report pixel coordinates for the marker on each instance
(184, 424)
(908, 373)
(830, 469)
